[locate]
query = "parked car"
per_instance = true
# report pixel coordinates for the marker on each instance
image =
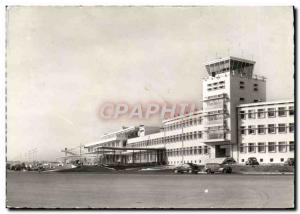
(290, 162)
(188, 168)
(211, 168)
(229, 160)
(252, 161)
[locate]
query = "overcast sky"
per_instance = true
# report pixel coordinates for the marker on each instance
(64, 62)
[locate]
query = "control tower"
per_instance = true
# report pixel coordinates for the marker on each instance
(230, 82)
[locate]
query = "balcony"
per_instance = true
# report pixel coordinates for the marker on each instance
(216, 135)
(216, 97)
(214, 122)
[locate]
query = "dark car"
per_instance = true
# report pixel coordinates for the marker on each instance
(290, 162)
(229, 160)
(211, 168)
(188, 168)
(252, 161)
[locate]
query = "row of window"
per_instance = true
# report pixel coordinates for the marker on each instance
(255, 86)
(262, 160)
(188, 161)
(216, 83)
(196, 150)
(271, 112)
(183, 124)
(169, 139)
(216, 88)
(242, 99)
(263, 147)
(270, 129)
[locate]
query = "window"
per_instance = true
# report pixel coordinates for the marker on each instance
(243, 148)
(260, 113)
(242, 113)
(282, 146)
(251, 147)
(261, 129)
(291, 110)
(255, 87)
(199, 120)
(255, 101)
(243, 130)
(281, 159)
(261, 147)
(251, 129)
(271, 159)
(281, 128)
(251, 114)
(243, 160)
(242, 99)
(291, 146)
(291, 127)
(261, 160)
(271, 128)
(199, 134)
(195, 135)
(271, 112)
(191, 150)
(242, 86)
(271, 147)
(187, 136)
(281, 112)
(195, 121)
(199, 149)
(205, 150)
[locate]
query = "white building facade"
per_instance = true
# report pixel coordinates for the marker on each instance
(266, 131)
(230, 94)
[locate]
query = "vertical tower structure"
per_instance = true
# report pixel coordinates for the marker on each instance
(230, 82)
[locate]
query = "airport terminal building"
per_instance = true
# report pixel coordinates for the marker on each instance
(235, 121)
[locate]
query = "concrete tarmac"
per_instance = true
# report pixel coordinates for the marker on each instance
(83, 190)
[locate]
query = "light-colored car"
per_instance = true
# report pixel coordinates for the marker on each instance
(211, 168)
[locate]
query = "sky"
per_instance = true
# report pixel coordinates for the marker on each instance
(63, 63)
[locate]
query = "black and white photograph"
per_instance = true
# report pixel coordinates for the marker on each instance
(150, 107)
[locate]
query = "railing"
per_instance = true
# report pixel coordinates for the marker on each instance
(217, 105)
(214, 122)
(215, 97)
(216, 136)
